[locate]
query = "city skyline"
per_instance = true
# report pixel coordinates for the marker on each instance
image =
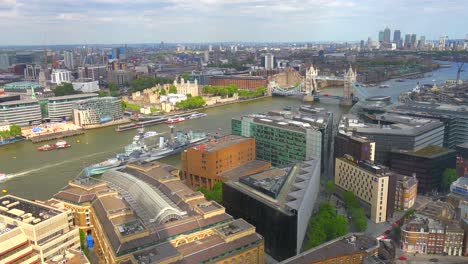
(54, 22)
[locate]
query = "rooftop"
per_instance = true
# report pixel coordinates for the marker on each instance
(242, 77)
(22, 85)
(243, 169)
(19, 102)
(427, 152)
(73, 96)
(24, 210)
(431, 109)
(221, 143)
(346, 245)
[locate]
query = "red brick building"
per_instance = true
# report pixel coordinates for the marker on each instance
(242, 82)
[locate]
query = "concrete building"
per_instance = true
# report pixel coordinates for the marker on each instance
(146, 214)
(96, 111)
(370, 184)
(454, 118)
(359, 148)
(60, 108)
(60, 76)
(269, 61)
(242, 82)
(219, 160)
(406, 191)
(69, 60)
(96, 73)
(283, 138)
(4, 61)
(31, 73)
(395, 132)
(86, 85)
(23, 88)
(428, 164)
(49, 229)
(355, 248)
(21, 113)
(15, 246)
(119, 77)
(278, 202)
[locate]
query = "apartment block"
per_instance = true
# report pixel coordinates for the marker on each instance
(369, 182)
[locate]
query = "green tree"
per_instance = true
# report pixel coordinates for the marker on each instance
(147, 82)
(162, 91)
(330, 187)
(215, 194)
(112, 86)
(449, 176)
(350, 200)
(103, 93)
(15, 130)
(172, 89)
(189, 95)
(191, 103)
(65, 89)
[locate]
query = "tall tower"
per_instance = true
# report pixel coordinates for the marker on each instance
(348, 91)
(311, 80)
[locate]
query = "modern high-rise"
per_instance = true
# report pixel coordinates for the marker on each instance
(368, 181)
(413, 40)
(49, 229)
(285, 137)
(407, 43)
(396, 36)
(220, 160)
(381, 36)
(269, 61)
(61, 107)
(278, 202)
(31, 73)
(21, 112)
(4, 61)
(387, 35)
(69, 60)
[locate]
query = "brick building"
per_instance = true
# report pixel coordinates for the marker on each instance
(242, 82)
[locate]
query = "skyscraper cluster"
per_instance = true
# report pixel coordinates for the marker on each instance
(409, 42)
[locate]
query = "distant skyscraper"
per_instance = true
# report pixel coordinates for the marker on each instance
(4, 61)
(69, 60)
(387, 34)
(361, 46)
(381, 36)
(210, 48)
(369, 43)
(422, 42)
(269, 61)
(413, 40)
(407, 41)
(206, 56)
(396, 36)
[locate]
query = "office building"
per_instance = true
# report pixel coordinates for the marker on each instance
(15, 246)
(25, 88)
(285, 137)
(406, 190)
(119, 77)
(278, 202)
(24, 57)
(49, 229)
(355, 248)
(387, 35)
(69, 60)
(219, 160)
(31, 72)
(395, 132)
(359, 148)
(60, 108)
(407, 43)
(462, 159)
(96, 73)
(60, 76)
(21, 112)
(242, 82)
(148, 215)
(269, 61)
(86, 85)
(97, 111)
(428, 164)
(381, 36)
(4, 61)
(429, 236)
(454, 117)
(206, 56)
(369, 182)
(7, 98)
(396, 36)
(413, 40)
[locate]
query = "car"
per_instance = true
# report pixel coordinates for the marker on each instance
(434, 260)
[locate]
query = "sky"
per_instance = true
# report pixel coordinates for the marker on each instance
(51, 22)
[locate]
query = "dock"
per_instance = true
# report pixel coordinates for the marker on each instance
(57, 135)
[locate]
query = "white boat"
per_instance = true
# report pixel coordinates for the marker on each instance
(150, 134)
(196, 115)
(3, 177)
(384, 86)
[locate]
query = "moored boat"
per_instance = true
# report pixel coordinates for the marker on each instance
(384, 86)
(175, 120)
(57, 145)
(3, 177)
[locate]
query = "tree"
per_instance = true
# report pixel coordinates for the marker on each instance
(350, 200)
(191, 103)
(330, 187)
(147, 82)
(172, 89)
(449, 176)
(112, 86)
(162, 91)
(65, 89)
(103, 93)
(15, 130)
(215, 194)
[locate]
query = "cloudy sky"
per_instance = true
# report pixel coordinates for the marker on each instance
(48, 22)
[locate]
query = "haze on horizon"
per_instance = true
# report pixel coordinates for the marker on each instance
(51, 22)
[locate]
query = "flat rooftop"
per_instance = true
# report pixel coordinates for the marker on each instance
(424, 108)
(220, 143)
(19, 102)
(24, 210)
(243, 169)
(72, 96)
(349, 244)
(427, 152)
(241, 77)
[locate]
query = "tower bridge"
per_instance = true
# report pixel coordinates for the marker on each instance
(308, 88)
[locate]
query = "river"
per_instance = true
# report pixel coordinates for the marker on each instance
(39, 175)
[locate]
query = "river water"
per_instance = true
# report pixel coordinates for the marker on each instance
(39, 175)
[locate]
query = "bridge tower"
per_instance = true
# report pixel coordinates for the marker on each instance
(311, 80)
(348, 91)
